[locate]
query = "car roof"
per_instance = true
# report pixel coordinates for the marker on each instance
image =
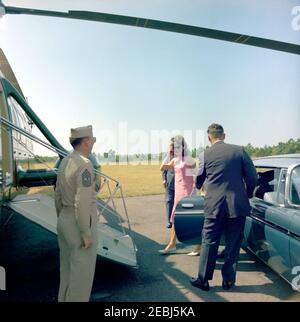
(277, 161)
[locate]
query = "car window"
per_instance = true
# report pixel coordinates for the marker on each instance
(281, 187)
(295, 186)
(271, 185)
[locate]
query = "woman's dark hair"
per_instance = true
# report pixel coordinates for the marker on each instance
(179, 139)
(172, 140)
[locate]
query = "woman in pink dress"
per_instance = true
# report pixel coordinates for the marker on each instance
(184, 166)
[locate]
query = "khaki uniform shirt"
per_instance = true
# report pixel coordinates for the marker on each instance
(75, 189)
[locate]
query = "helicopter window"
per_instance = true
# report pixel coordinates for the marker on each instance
(18, 115)
(21, 144)
(14, 115)
(20, 118)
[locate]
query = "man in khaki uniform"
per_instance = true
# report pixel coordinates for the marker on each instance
(75, 202)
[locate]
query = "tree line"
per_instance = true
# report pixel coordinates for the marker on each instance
(289, 147)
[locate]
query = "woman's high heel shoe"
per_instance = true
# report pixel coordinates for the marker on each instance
(167, 250)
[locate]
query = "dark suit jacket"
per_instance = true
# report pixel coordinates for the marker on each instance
(231, 179)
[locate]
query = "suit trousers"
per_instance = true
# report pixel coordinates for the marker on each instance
(211, 235)
(77, 265)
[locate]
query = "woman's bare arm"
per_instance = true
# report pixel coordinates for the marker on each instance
(166, 166)
(190, 163)
(191, 166)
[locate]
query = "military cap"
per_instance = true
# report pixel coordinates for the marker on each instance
(82, 132)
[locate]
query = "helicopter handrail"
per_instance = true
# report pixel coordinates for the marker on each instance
(12, 126)
(32, 137)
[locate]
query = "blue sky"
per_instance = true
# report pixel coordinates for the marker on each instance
(76, 72)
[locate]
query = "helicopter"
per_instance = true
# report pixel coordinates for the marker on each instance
(16, 142)
(16, 137)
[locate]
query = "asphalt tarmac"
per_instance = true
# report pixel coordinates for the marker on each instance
(29, 255)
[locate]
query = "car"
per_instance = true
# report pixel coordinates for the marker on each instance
(272, 231)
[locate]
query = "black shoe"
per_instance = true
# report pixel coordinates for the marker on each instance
(197, 282)
(227, 285)
(169, 225)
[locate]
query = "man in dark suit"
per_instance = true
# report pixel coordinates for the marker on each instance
(231, 179)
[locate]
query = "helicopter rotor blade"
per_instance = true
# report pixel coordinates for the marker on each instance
(163, 26)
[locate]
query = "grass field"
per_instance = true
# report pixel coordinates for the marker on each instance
(137, 180)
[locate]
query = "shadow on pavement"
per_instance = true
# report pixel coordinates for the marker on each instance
(30, 256)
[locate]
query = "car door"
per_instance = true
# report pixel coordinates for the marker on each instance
(189, 219)
(293, 196)
(295, 249)
(267, 228)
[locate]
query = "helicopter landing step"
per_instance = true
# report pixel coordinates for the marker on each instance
(112, 243)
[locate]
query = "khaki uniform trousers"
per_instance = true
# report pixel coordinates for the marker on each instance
(77, 265)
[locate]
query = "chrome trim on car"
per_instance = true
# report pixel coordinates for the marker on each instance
(293, 235)
(188, 205)
(288, 182)
(191, 212)
(270, 224)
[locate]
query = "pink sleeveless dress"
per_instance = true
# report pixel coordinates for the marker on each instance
(184, 183)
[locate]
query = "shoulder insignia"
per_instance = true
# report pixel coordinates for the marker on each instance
(86, 178)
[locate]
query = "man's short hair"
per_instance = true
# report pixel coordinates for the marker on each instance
(76, 142)
(215, 130)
